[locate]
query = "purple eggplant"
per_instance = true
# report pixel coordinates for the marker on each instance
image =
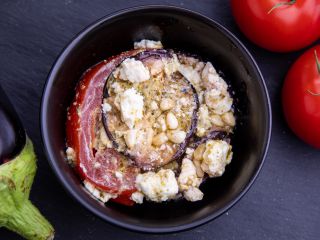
(17, 171)
(12, 134)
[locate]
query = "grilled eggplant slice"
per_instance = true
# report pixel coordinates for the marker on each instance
(150, 109)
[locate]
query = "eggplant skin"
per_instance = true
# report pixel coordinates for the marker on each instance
(12, 133)
(213, 135)
(143, 162)
(193, 127)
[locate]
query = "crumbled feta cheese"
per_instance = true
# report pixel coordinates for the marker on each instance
(171, 65)
(216, 156)
(148, 44)
(199, 66)
(212, 80)
(191, 75)
(158, 187)
(130, 137)
(131, 106)
(118, 174)
(229, 119)
(193, 194)
(83, 168)
(100, 195)
(189, 181)
(188, 175)
(201, 96)
(97, 165)
(132, 70)
(216, 120)
(183, 101)
(219, 102)
(156, 66)
(106, 107)
(197, 164)
(203, 120)
(116, 87)
(71, 154)
(189, 152)
(154, 105)
(188, 60)
(137, 197)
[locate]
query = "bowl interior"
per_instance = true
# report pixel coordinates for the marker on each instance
(177, 29)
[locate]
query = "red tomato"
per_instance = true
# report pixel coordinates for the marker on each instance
(83, 116)
(301, 99)
(279, 25)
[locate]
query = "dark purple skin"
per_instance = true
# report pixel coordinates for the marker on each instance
(214, 135)
(159, 53)
(12, 133)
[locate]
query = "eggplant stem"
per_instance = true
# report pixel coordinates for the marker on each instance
(28, 222)
(16, 211)
(281, 4)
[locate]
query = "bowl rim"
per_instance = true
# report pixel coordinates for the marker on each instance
(49, 152)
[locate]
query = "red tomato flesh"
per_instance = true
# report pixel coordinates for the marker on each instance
(83, 117)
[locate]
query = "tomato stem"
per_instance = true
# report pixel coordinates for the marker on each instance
(317, 60)
(312, 93)
(282, 4)
(318, 67)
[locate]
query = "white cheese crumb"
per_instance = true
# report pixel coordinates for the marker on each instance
(191, 75)
(116, 87)
(158, 187)
(130, 138)
(189, 152)
(132, 70)
(171, 65)
(137, 197)
(189, 181)
(71, 154)
(131, 106)
(219, 102)
(217, 155)
(100, 195)
(193, 194)
(188, 175)
(154, 105)
(212, 80)
(106, 107)
(148, 44)
(204, 122)
(118, 174)
(183, 101)
(97, 165)
(83, 168)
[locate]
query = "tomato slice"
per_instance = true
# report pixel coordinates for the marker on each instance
(83, 117)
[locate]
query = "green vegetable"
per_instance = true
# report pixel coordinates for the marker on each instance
(17, 213)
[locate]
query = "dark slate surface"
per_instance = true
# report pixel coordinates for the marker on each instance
(284, 203)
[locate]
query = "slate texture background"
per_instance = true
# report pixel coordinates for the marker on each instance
(284, 203)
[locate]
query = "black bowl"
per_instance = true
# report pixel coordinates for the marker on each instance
(178, 29)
